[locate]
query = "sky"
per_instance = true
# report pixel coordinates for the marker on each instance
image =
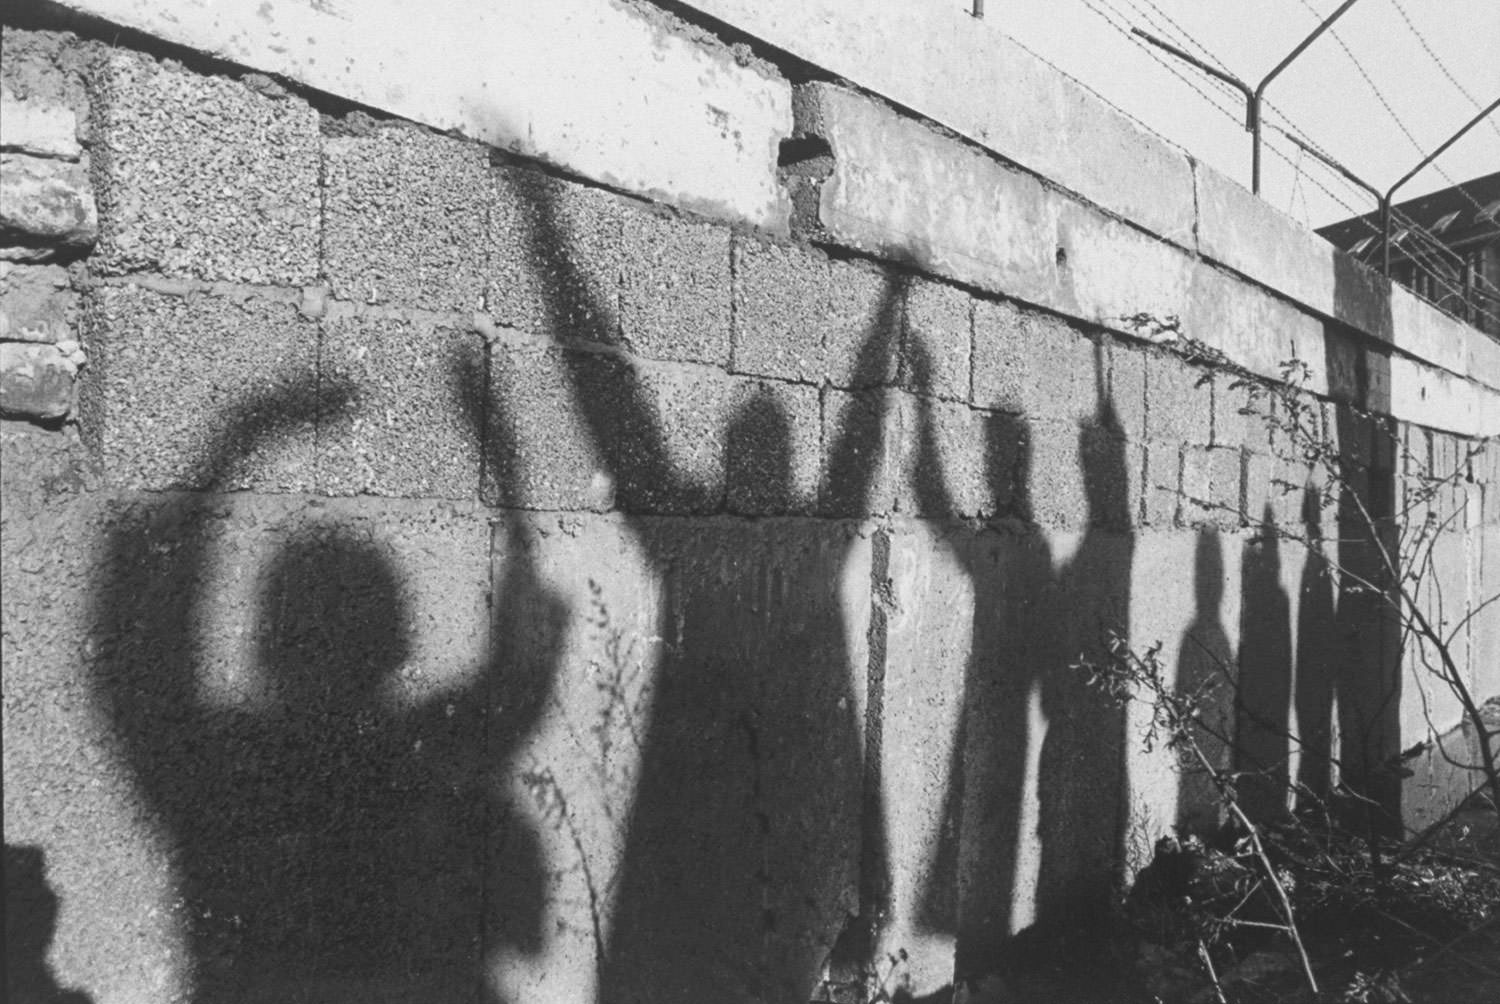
(1435, 64)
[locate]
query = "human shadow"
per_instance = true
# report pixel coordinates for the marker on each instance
(1205, 676)
(30, 923)
(331, 838)
(1263, 695)
(742, 840)
(1031, 623)
(1317, 668)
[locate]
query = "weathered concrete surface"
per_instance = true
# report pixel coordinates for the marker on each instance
(604, 90)
(901, 190)
(693, 787)
(171, 373)
(203, 176)
(971, 78)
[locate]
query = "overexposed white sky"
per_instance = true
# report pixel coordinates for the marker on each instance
(1323, 95)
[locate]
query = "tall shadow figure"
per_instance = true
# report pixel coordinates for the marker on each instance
(1263, 696)
(1205, 674)
(1030, 623)
(1317, 665)
(30, 923)
(329, 846)
(743, 830)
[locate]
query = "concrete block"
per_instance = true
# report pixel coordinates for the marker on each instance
(775, 440)
(862, 326)
(198, 390)
(405, 219)
(989, 89)
(968, 217)
(936, 339)
(616, 93)
(1179, 403)
(1057, 489)
(780, 299)
(932, 628)
(38, 127)
(798, 316)
(36, 304)
(1241, 231)
(203, 176)
(949, 463)
(46, 208)
(669, 452)
(675, 297)
(1436, 398)
(1240, 410)
(1259, 491)
(557, 252)
(1211, 487)
(1032, 364)
(541, 452)
(1161, 484)
(1253, 328)
(1007, 464)
(36, 381)
(864, 437)
(1127, 388)
(412, 425)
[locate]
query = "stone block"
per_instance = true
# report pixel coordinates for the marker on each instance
(1033, 364)
(199, 390)
(1179, 404)
(1259, 490)
(36, 381)
(46, 208)
(936, 341)
(1127, 388)
(1161, 484)
(203, 176)
(675, 295)
(863, 452)
(1007, 464)
(413, 422)
(557, 250)
(775, 440)
(36, 304)
(38, 127)
(1252, 327)
(1237, 419)
(405, 219)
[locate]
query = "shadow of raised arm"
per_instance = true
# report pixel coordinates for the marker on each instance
(147, 617)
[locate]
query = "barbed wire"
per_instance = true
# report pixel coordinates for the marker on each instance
(1422, 40)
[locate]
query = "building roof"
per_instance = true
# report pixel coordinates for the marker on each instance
(1463, 215)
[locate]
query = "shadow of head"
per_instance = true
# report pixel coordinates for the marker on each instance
(760, 447)
(1208, 572)
(31, 909)
(332, 620)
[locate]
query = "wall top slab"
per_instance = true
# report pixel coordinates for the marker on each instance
(631, 104)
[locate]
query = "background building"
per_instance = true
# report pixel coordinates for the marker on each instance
(1445, 247)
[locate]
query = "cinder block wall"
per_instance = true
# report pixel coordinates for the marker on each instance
(428, 576)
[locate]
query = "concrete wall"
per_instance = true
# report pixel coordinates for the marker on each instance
(608, 552)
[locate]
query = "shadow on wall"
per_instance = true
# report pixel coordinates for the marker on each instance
(742, 851)
(1030, 623)
(326, 845)
(30, 922)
